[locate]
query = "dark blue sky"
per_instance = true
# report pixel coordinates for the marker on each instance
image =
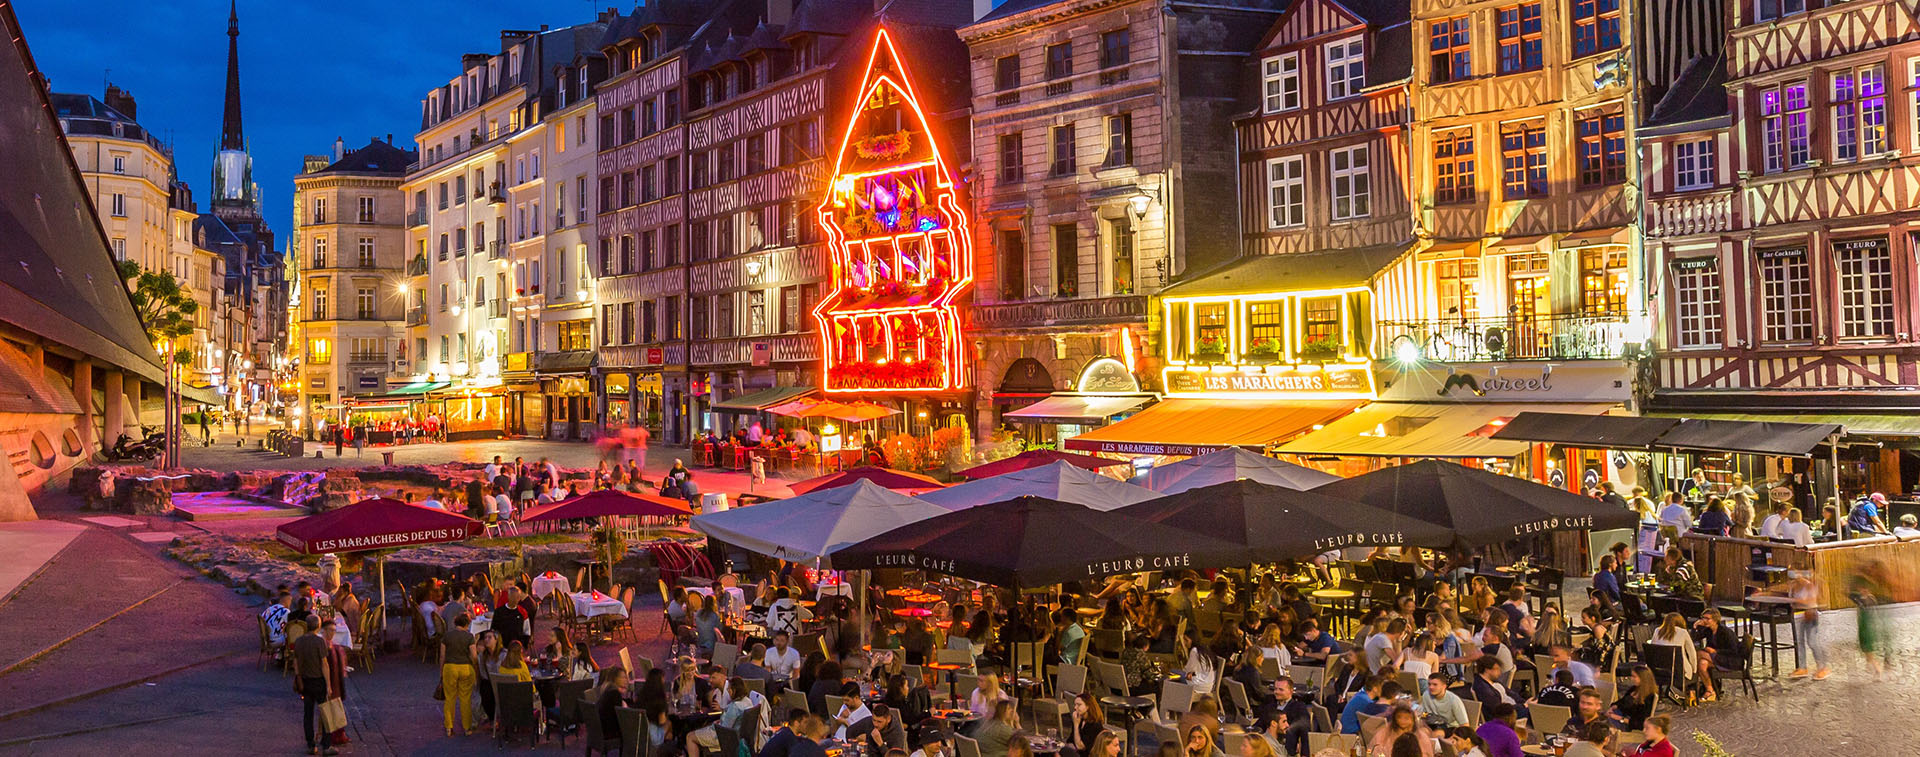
(309, 70)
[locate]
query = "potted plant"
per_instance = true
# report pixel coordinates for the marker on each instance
(1263, 350)
(1320, 349)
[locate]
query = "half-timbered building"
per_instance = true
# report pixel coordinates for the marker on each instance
(1788, 255)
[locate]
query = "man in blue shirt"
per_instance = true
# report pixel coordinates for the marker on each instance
(1360, 704)
(1865, 516)
(1319, 645)
(1605, 580)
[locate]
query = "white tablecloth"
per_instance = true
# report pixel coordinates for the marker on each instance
(550, 582)
(586, 605)
(738, 596)
(481, 624)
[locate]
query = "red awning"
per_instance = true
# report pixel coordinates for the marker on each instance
(1036, 458)
(602, 503)
(886, 477)
(377, 523)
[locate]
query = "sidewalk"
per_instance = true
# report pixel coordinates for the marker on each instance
(29, 546)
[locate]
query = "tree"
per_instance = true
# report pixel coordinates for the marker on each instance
(166, 310)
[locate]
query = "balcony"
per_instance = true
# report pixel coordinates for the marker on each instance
(1007, 98)
(418, 217)
(1547, 337)
(1705, 213)
(1091, 311)
(418, 265)
(416, 316)
(496, 194)
(367, 358)
(1060, 87)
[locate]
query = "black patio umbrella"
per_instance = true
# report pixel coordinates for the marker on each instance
(1277, 523)
(1482, 508)
(1028, 542)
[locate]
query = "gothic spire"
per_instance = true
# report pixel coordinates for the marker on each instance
(230, 135)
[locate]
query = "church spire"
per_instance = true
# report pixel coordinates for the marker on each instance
(230, 135)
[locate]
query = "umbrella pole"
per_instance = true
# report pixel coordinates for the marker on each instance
(860, 581)
(381, 569)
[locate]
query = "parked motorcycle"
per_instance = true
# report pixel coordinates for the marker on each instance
(125, 448)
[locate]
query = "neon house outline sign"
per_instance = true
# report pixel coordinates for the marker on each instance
(901, 252)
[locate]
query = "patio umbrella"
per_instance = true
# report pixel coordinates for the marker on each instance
(1278, 523)
(377, 523)
(863, 410)
(1058, 481)
(1481, 507)
(1035, 458)
(795, 408)
(603, 503)
(805, 528)
(1232, 464)
(885, 477)
(1029, 542)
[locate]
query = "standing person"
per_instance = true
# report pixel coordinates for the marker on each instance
(336, 669)
(1865, 588)
(636, 450)
(360, 441)
(1806, 625)
(310, 682)
(457, 675)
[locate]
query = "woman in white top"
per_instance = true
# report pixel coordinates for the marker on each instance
(1673, 633)
(986, 695)
(1795, 529)
(502, 505)
(1419, 658)
(1200, 670)
(1274, 646)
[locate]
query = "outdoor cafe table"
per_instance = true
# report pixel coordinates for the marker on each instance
(595, 604)
(480, 620)
(550, 582)
(738, 595)
(1336, 599)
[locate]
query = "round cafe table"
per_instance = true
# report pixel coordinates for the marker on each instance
(1335, 599)
(902, 592)
(948, 669)
(1537, 749)
(913, 612)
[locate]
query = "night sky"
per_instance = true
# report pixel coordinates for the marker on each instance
(309, 70)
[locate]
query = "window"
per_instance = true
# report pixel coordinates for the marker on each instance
(789, 309)
(119, 164)
(1210, 329)
(1119, 140)
(576, 334)
(1115, 51)
(723, 325)
(1346, 68)
(1010, 158)
(1913, 78)
(1450, 50)
(1603, 147)
(1120, 264)
(365, 250)
(1457, 287)
(1011, 251)
(670, 314)
(1693, 164)
(119, 248)
(1319, 321)
(1866, 288)
(1603, 281)
(1767, 10)
(649, 320)
(1352, 183)
(1453, 166)
(608, 313)
(756, 153)
(1523, 159)
(1596, 26)
(318, 309)
(1859, 113)
(443, 300)
(1266, 328)
(1519, 38)
(1280, 80)
(1066, 260)
(319, 210)
(366, 210)
(1286, 192)
(1059, 68)
(1696, 299)
(1786, 295)
(119, 205)
(1784, 126)
(320, 351)
(1062, 164)
(319, 252)
(363, 304)
(756, 312)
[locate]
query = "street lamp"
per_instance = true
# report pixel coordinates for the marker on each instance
(1139, 203)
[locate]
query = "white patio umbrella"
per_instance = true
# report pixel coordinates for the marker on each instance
(1233, 464)
(1060, 481)
(804, 528)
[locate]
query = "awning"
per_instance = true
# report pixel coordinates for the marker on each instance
(1294, 272)
(1192, 427)
(753, 402)
(1855, 424)
(1511, 244)
(1597, 431)
(409, 391)
(1076, 408)
(1590, 237)
(1414, 429)
(1748, 437)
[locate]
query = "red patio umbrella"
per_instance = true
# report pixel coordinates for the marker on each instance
(887, 477)
(1039, 458)
(602, 503)
(377, 523)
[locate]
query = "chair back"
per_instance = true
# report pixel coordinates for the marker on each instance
(1473, 711)
(1069, 680)
(957, 641)
(749, 727)
(963, 685)
(1237, 694)
(626, 661)
(1307, 677)
(1176, 698)
(759, 685)
(1409, 682)
(566, 699)
(633, 731)
(1269, 667)
(729, 741)
(1027, 655)
(1368, 725)
(1106, 642)
(587, 707)
(953, 657)
(1322, 720)
(791, 700)
(513, 703)
(966, 747)
(1547, 718)
(1113, 678)
(725, 655)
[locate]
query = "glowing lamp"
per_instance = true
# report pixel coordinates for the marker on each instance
(1407, 352)
(753, 268)
(1139, 203)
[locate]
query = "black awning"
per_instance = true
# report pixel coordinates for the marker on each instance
(1752, 437)
(1598, 431)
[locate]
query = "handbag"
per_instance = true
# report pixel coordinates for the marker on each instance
(439, 692)
(333, 715)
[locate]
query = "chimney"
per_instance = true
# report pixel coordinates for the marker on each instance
(779, 12)
(339, 148)
(122, 100)
(389, 138)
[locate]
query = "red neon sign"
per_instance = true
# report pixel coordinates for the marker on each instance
(899, 244)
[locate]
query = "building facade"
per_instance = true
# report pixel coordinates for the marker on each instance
(349, 246)
(559, 343)
(1092, 124)
(1785, 238)
(256, 285)
(129, 173)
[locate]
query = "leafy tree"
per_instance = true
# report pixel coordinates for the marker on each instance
(165, 307)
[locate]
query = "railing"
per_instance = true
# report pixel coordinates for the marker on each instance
(477, 143)
(1545, 337)
(367, 357)
(417, 266)
(1060, 312)
(1113, 75)
(416, 316)
(494, 251)
(497, 308)
(417, 217)
(1691, 214)
(1007, 98)
(1059, 87)
(496, 194)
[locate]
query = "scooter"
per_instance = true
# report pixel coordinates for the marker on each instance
(125, 448)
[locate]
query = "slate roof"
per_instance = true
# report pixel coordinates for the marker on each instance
(1699, 94)
(376, 158)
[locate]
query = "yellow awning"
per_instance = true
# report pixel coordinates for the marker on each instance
(1421, 429)
(1192, 427)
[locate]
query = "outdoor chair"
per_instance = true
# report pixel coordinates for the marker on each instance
(725, 655)
(1321, 717)
(1068, 681)
(267, 648)
(597, 740)
(729, 740)
(567, 715)
(1175, 700)
(749, 729)
(1474, 709)
(513, 709)
(1339, 743)
(293, 631)
(1371, 723)
(791, 700)
(1547, 718)
(1665, 662)
(632, 739)
(965, 747)
(1239, 705)
(1743, 673)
